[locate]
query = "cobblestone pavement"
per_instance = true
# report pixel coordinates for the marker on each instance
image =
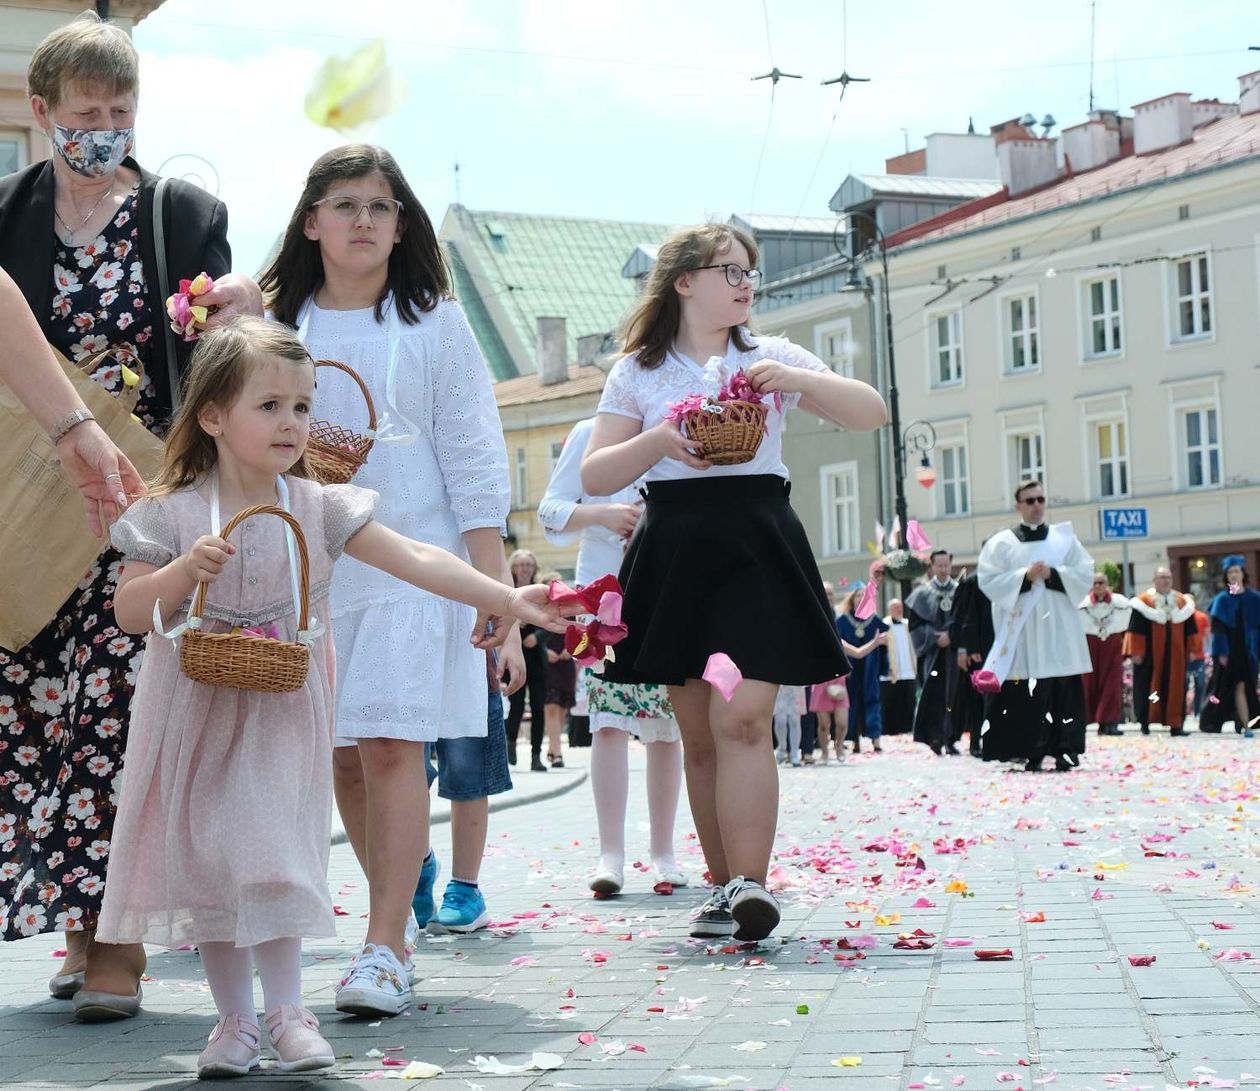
(1149, 850)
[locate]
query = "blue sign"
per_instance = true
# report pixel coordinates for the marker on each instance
(1118, 524)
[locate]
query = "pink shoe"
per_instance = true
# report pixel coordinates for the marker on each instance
(233, 1049)
(296, 1042)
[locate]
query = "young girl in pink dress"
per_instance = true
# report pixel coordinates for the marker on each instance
(223, 825)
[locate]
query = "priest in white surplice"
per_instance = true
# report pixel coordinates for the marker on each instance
(1035, 574)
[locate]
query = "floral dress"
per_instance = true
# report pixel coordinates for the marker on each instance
(65, 697)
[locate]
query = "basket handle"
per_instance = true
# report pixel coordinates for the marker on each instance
(367, 395)
(304, 564)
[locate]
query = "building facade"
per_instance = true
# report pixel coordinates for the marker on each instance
(23, 25)
(1099, 332)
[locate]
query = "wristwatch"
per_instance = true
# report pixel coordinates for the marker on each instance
(73, 420)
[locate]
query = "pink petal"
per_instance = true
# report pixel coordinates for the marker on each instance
(866, 606)
(586, 1038)
(722, 674)
(609, 611)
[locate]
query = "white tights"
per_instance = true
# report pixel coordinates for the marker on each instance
(230, 973)
(610, 783)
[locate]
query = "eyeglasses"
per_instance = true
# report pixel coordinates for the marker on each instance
(1033, 500)
(346, 207)
(735, 273)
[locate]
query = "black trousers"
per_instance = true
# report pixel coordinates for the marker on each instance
(535, 688)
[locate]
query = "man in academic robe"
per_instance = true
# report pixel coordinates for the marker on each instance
(1160, 628)
(1035, 574)
(1105, 616)
(971, 637)
(929, 607)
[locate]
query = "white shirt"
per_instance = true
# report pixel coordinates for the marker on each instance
(902, 659)
(645, 395)
(600, 550)
(454, 476)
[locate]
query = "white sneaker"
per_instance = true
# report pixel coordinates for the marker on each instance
(377, 984)
(669, 873)
(753, 908)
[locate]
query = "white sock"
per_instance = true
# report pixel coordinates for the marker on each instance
(279, 963)
(230, 974)
(610, 783)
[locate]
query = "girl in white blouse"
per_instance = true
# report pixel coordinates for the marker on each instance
(361, 276)
(719, 561)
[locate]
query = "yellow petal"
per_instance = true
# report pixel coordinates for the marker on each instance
(198, 284)
(891, 918)
(199, 313)
(349, 92)
(129, 377)
(847, 1062)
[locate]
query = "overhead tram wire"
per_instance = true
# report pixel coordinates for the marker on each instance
(774, 75)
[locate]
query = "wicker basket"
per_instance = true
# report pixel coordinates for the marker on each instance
(335, 454)
(728, 438)
(250, 662)
(128, 396)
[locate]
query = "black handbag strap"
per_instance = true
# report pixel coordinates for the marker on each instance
(164, 291)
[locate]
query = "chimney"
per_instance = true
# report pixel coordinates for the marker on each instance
(1092, 143)
(1026, 164)
(1162, 123)
(1205, 110)
(588, 348)
(1249, 93)
(553, 351)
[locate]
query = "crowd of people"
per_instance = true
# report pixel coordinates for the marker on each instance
(395, 669)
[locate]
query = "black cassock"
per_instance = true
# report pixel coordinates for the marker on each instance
(928, 609)
(970, 629)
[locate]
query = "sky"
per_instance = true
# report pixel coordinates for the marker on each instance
(646, 110)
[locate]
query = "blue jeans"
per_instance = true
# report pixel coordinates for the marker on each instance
(474, 767)
(1196, 669)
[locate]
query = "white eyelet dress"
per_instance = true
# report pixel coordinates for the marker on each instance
(406, 669)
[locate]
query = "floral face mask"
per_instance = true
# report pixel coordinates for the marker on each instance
(92, 153)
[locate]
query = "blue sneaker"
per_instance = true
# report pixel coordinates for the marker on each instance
(463, 909)
(422, 901)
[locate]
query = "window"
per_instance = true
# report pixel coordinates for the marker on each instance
(1193, 298)
(947, 363)
(839, 508)
(1201, 448)
(12, 158)
(1111, 456)
(1023, 346)
(955, 499)
(1102, 298)
(522, 500)
(834, 345)
(556, 449)
(1028, 457)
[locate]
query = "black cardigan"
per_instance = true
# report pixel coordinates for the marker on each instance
(196, 241)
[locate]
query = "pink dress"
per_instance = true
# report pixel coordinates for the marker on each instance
(820, 700)
(225, 808)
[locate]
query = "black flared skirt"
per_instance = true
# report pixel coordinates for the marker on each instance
(723, 565)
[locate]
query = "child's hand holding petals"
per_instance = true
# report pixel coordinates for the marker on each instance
(772, 377)
(531, 605)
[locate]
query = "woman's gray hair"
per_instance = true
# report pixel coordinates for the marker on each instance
(88, 52)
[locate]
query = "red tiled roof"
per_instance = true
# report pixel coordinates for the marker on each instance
(527, 389)
(1225, 140)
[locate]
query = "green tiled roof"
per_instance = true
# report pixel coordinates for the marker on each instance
(532, 266)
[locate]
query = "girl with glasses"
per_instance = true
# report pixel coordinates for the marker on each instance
(362, 279)
(719, 559)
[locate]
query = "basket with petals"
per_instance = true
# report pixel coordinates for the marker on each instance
(336, 453)
(901, 564)
(254, 660)
(727, 419)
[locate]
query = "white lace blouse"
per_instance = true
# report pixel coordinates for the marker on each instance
(645, 395)
(450, 474)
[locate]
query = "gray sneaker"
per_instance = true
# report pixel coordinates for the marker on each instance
(753, 908)
(713, 919)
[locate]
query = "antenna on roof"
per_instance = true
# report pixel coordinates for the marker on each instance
(456, 171)
(1093, 16)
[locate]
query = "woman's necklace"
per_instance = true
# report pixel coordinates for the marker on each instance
(72, 231)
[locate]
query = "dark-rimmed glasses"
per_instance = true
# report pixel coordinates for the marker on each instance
(347, 207)
(735, 273)
(1033, 500)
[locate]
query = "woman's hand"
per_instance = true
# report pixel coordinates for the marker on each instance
(233, 295)
(672, 442)
(770, 377)
(621, 519)
(204, 562)
(101, 472)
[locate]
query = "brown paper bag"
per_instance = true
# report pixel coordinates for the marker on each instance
(45, 546)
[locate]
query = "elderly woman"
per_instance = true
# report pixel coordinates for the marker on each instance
(77, 234)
